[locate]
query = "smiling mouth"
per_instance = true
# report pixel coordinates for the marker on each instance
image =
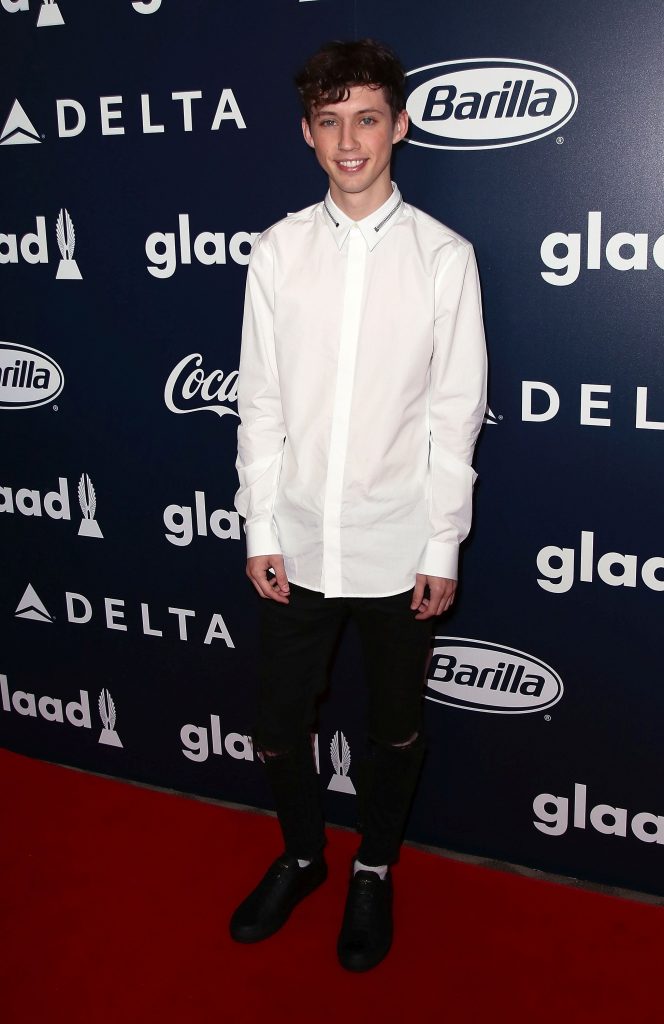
(351, 165)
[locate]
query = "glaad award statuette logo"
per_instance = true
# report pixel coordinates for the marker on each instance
(64, 230)
(108, 734)
(88, 501)
(49, 15)
(340, 781)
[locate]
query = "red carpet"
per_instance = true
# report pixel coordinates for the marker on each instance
(115, 901)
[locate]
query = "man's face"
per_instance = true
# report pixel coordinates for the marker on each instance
(353, 141)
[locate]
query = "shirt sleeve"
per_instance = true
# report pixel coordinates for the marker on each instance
(261, 434)
(457, 403)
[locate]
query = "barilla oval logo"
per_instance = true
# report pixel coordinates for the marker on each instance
(28, 377)
(482, 676)
(486, 103)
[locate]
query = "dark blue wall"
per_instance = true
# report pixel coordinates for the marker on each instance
(515, 772)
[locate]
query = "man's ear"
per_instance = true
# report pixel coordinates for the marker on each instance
(306, 131)
(400, 126)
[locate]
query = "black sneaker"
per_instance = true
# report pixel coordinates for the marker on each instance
(269, 906)
(366, 932)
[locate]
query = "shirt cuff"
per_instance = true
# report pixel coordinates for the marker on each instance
(440, 560)
(261, 539)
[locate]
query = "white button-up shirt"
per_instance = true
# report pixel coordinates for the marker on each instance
(362, 389)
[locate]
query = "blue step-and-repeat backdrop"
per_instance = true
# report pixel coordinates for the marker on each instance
(144, 146)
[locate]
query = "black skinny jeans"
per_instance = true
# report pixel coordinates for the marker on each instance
(297, 642)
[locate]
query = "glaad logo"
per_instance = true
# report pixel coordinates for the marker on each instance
(49, 15)
(18, 129)
(52, 709)
(481, 676)
(190, 389)
(79, 612)
(33, 246)
(108, 734)
(49, 12)
(68, 267)
(340, 755)
(28, 378)
(146, 6)
(71, 116)
(88, 501)
(28, 502)
(561, 251)
(557, 566)
(553, 817)
(179, 520)
(198, 742)
(209, 248)
(486, 103)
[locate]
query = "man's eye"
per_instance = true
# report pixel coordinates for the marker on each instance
(326, 123)
(368, 120)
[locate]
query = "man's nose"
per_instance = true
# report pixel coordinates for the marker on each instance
(347, 140)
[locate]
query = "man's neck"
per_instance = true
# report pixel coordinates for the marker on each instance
(358, 205)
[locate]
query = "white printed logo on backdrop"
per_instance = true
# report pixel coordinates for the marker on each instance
(480, 676)
(113, 613)
(49, 12)
(33, 246)
(31, 606)
(18, 128)
(71, 116)
(54, 709)
(486, 103)
(28, 501)
(340, 756)
(190, 388)
(28, 378)
(49, 15)
(146, 6)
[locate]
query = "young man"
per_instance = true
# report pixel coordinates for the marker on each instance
(361, 394)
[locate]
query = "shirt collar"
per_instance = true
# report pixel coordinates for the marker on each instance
(373, 228)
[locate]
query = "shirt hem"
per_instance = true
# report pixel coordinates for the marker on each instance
(317, 590)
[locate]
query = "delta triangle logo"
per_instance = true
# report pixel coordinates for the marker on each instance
(18, 129)
(490, 418)
(49, 15)
(32, 607)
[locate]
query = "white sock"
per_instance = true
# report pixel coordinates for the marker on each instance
(303, 863)
(381, 869)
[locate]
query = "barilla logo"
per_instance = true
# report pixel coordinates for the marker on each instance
(486, 103)
(481, 676)
(28, 377)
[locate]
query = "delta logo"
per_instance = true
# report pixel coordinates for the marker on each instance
(486, 103)
(480, 676)
(71, 116)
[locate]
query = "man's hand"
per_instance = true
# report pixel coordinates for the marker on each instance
(268, 585)
(441, 596)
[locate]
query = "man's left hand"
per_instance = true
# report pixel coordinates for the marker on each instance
(441, 595)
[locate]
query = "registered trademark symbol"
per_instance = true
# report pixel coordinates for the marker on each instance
(547, 718)
(500, 416)
(55, 408)
(559, 140)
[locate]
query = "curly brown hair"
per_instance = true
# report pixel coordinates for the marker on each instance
(328, 76)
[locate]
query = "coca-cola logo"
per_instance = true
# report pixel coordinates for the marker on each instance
(190, 388)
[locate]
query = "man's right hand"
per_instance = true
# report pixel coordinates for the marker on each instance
(273, 585)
